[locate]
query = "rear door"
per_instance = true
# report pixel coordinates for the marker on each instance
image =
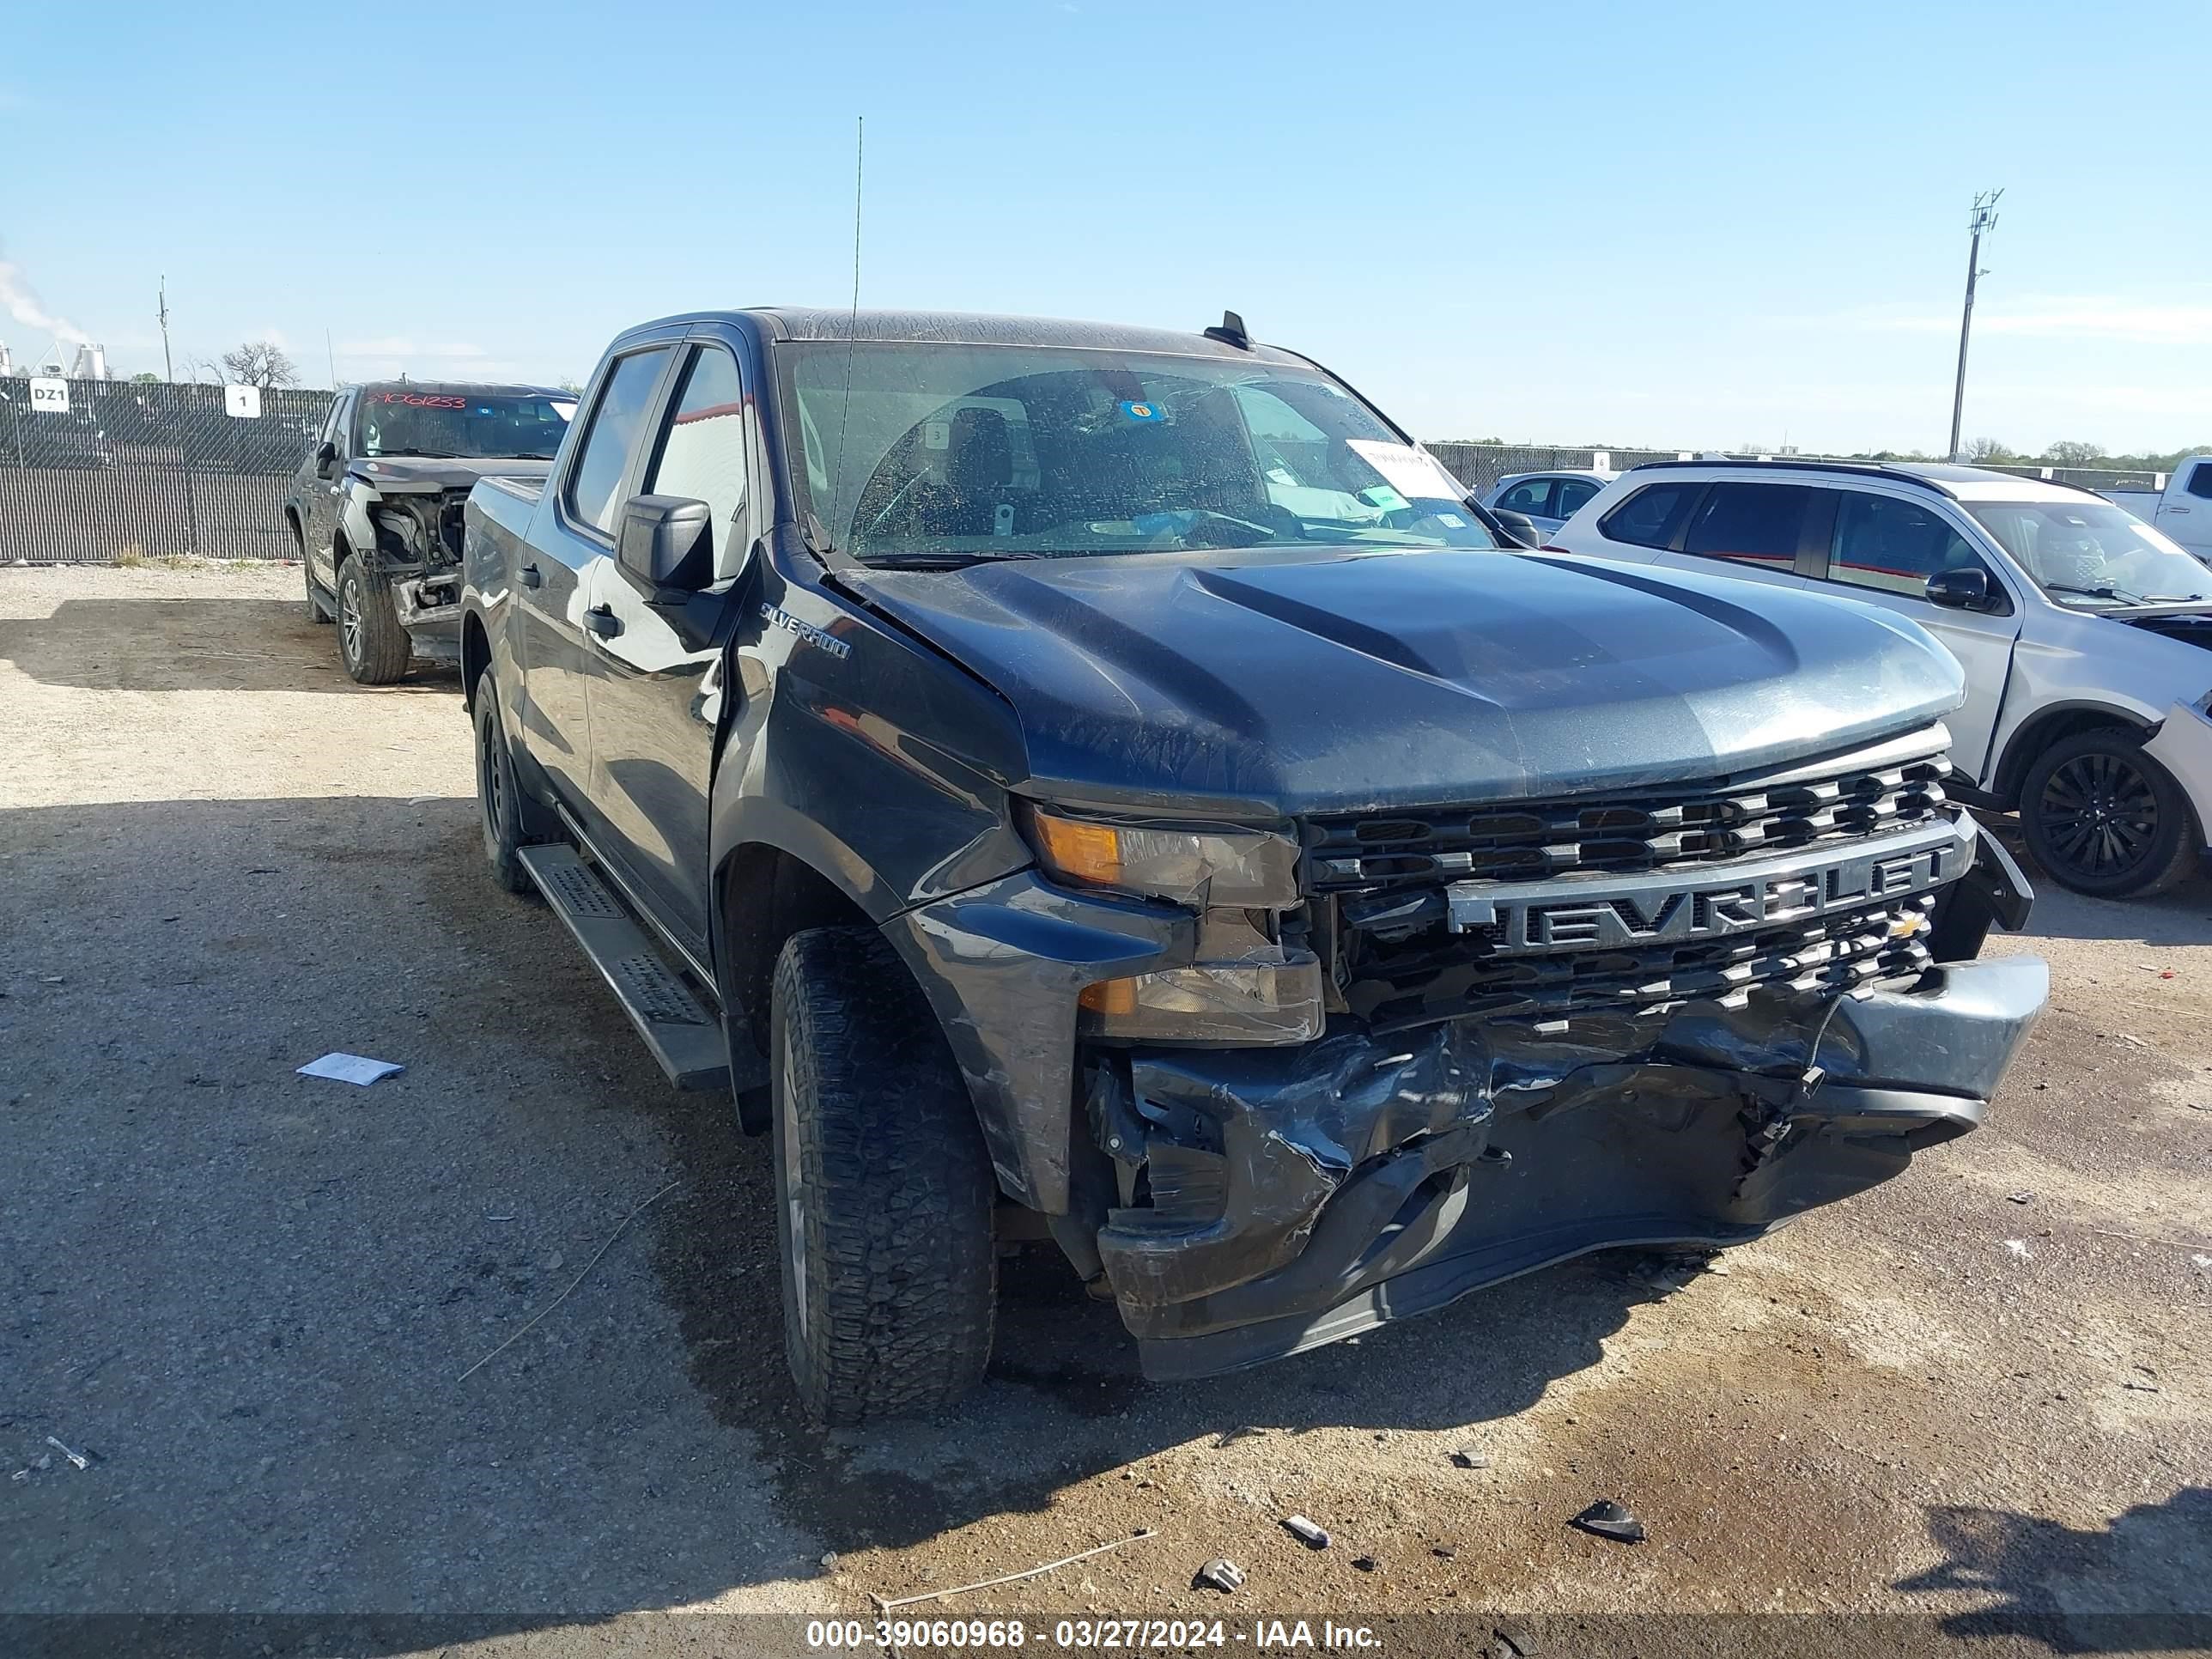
(655, 691)
(1757, 531)
(576, 532)
(1883, 549)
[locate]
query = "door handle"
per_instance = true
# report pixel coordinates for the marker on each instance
(602, 622)
(2173, 509)
(530, 576)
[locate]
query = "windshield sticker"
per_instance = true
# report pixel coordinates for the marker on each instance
(1384, 496)
(1143, 412)
(424, 400)
(1451, 521)
(1413, 472)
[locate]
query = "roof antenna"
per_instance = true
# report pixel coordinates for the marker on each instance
(853, 325)
(1230, 331)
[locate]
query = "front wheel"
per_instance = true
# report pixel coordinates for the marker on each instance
(883, 1187)
(2105, 819)
(371, 642)
(499, 799)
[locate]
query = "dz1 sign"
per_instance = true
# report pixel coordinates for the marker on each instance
(242, 401)
(51, 395)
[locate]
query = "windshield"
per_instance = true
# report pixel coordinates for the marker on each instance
(943, 454)
(465, 426)
(2092, 554)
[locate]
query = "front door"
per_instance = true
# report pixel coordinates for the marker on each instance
(1884, 550)
(555, 580)
(322, 498)
(655, 693)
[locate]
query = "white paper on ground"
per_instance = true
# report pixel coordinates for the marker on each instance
(350, 1068)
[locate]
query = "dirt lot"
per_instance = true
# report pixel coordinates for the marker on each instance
(1979, 1395)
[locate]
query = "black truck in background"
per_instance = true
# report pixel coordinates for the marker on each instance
(375, 507)
(1111, 784)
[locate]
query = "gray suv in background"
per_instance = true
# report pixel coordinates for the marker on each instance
(375, 508)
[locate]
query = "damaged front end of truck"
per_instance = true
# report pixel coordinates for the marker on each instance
(403, 521)
(1400, 1055)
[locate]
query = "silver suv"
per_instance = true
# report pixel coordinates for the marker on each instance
(2083, 631)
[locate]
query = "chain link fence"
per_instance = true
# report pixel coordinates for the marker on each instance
(131, 471)
(1481, 465)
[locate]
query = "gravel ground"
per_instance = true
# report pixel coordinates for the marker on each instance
(1979, 1394)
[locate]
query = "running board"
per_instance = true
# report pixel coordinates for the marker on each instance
(685, 1037)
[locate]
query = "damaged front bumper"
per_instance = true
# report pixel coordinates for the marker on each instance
(1244, 1203)
(429, 608)
(1300, 1197)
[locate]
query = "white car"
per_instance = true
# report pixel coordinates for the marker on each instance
(2085, 635)
(1546, 500)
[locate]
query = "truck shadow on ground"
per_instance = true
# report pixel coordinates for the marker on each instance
(191, 644)
(2138, 1585)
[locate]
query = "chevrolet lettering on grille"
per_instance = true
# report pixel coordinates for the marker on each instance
(1602, 913)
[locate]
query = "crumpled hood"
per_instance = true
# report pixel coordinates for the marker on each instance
(403, 474)
(1302, 682)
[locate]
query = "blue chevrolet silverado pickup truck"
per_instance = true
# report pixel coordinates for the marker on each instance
(1111, 786)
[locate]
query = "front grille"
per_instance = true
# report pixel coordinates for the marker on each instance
(1392, 989)
(1380, 881)
(1637, 830)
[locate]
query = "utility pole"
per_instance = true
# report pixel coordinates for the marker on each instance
(1985, 218)
(168, 372)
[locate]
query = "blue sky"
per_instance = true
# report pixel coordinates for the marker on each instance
(1671, 224)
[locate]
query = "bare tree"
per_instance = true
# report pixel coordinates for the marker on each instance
(2068, 453)
(261, 362)
(1988, 449)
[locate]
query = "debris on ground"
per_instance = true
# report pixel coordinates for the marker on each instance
(885, 1605)
(2019, 1198)
(1607, 1519)
(1467, 1460)
(1306, 1532)
(1443, 1552)
(1515, 1638)
(350, 1068)
(2140, 1388)
(830, 1560)
(83, 1461)
(2018, 1248)
(1221, 1574)
(1365, 1563)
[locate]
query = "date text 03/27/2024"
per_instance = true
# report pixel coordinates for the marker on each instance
(1124, 1635)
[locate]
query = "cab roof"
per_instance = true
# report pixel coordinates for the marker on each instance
(807, 323)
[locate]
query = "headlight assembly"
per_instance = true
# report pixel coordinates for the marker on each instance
(1205, 868)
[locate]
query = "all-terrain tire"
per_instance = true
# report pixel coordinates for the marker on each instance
(371, 642)
(2105, 819)
(315, 612)
(499, 795)
(884, 1188)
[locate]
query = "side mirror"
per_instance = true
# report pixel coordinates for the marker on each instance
(1519, 526)
(326, 457)
(665, 541)
(1966, 588)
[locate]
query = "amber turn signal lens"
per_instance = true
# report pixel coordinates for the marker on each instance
(1086, 852)
(1111, 997)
